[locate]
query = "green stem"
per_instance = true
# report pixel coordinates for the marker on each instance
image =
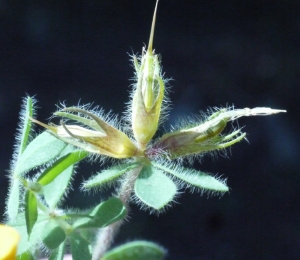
(41, 206)
(59, 220)
(64, 225)
(106, 235)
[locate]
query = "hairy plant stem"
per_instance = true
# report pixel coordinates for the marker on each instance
(106, 235)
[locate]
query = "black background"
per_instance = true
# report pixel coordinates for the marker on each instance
(244, 53)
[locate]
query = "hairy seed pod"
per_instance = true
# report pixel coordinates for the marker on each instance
(148, 95)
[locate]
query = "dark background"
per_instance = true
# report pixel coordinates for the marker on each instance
(244, 53)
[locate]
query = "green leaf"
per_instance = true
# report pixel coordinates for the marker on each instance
(108, 175)
(55, 190)
(194, 178)
(60, 165)
(13, 199)
(103, 214)
(88, 234)
(31, 212)
(25, 127)
(80, 248)
(154, 188)
(58, 253)
(53, 235)
(27, 242)
(25, 256)
(137, 250)
(22, 140)
(42, 149)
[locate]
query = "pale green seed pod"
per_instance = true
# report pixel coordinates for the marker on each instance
(207, 136)
(190, 141)
(102, 139)
(149, 93)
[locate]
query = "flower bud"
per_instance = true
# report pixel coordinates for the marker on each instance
(9, 240)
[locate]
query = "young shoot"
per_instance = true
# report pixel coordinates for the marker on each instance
(149, 172)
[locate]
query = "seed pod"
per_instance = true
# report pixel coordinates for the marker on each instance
(149, 93)
(103, 139)
(207, 135)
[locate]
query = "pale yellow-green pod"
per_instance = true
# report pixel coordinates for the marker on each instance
(207, 136)
(149, 93)
(103, 139)
(190, 141)
(146, 109)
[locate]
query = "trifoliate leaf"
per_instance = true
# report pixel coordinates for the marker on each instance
(137, 250)
(58, 253)
(60, 165)
(42, 149)
(25, 127)
(20, 225)
(62, 171)
(80, 248)
(154, 188)
(194, 178)
(31, 213)
(53, 235)
(13, 199)
(108, 175)
(103, 214)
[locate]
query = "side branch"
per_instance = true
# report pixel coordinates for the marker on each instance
(106, 235)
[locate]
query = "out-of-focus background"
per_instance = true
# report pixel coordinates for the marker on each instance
(219, 53)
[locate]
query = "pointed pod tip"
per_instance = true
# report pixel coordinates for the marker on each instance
(49, 127)
(150, 45)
